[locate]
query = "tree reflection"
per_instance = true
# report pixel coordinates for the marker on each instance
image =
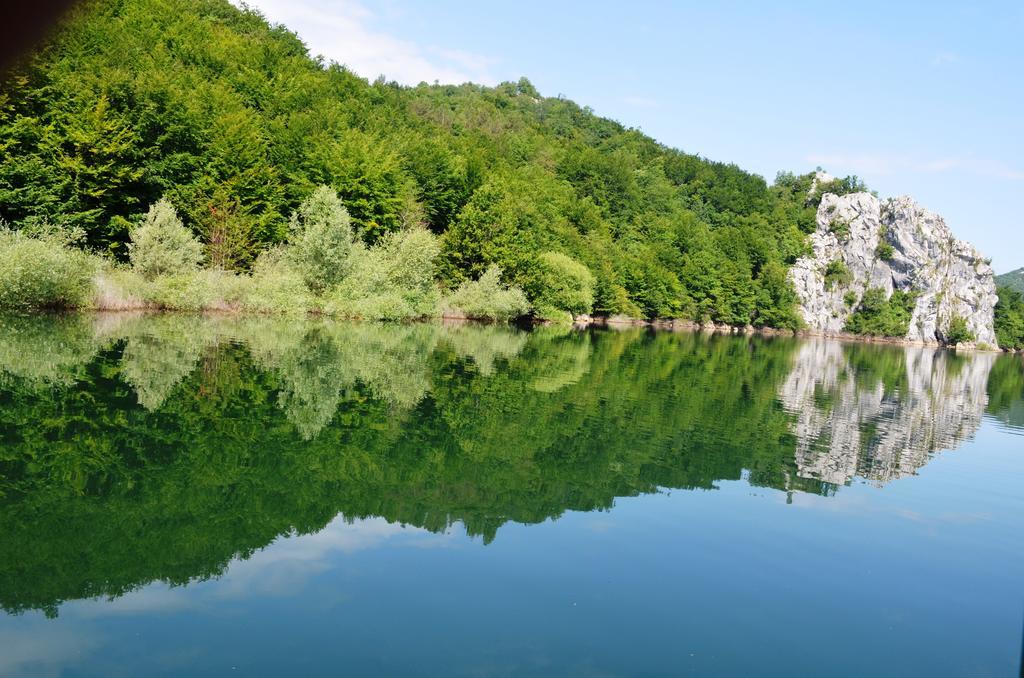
(139, 448)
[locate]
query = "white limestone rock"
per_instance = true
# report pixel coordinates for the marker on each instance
(820, 178)
(949, 276)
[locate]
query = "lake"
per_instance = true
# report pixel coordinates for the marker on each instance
(264, 497)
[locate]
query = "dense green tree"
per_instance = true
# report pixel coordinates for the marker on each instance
(562, 285)
(320, 239)
(880, 316)
(161, 245)
(1009, 321)
(229, 118)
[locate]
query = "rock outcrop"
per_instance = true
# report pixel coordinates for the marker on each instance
(893, 244)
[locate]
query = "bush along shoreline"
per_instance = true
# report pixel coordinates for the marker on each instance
(323, 269)
(465, 200)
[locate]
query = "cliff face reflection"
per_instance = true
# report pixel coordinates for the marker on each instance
(159, 448)
(879, 413)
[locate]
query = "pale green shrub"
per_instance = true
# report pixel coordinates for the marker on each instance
(320, 240)
(275, 287)
(161, 245)
(45, 351)
(202, 290)
(161, 355)
(392, 281)
(485, 345)
(43, 272)
(182, 292)
(409, 258)
(564, 287)
(386, 305)
(487, 298)
(552, 315)
(116, 288)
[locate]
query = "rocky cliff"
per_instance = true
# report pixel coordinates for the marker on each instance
(862, 242)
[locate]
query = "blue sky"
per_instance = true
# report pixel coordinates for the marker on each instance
(923, 99)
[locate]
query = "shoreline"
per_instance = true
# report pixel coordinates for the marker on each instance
(749, 330)
(579, 322)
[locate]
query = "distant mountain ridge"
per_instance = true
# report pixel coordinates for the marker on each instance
(1014, 280)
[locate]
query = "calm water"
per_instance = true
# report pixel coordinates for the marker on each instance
(267, 497)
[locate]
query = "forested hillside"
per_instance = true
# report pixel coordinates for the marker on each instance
(230, 120)
(1014, 280)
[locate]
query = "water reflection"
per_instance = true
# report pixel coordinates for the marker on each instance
(879, 413)
(143, 448)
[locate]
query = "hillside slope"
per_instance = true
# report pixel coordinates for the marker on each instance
(224, 114)
(228, 118)
(1014, 280)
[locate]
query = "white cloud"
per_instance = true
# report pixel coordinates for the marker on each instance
(289, 562)
(885, 164)
(940, 165)
(862, 163)
(640, 102)
(944, 58)
(343, 31)
(146, 600)
(42, 648)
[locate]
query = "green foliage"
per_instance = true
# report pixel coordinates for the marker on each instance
(228, 232)
(850, 298)
(393, 280)
(1009, 318)
(320, 240)
(776, 300)
(42, 272)
(885, 251)
(162, 246)
(230, 119)
(258, 427)
(181, 292)
(274, 287)
(957, 332)
(878, 316)
(562, 285)
(844, 186)
(487, 298)
(841, 229)
(836, 273)
(1013, 280)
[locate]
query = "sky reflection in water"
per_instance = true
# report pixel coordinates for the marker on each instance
(188, 495)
